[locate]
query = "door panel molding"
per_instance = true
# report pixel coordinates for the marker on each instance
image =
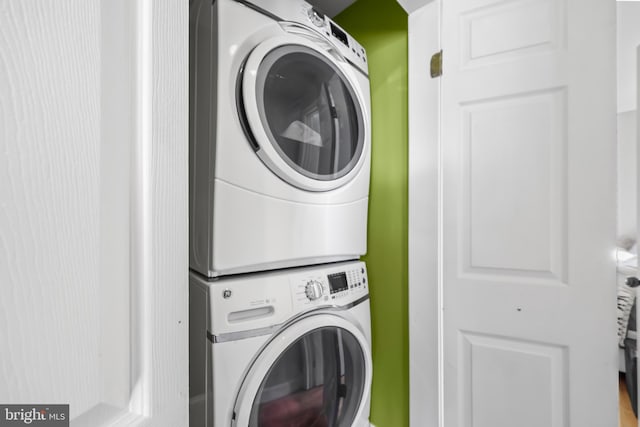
(144, 163)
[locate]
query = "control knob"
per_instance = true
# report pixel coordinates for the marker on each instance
(313, 290)
(315, 17)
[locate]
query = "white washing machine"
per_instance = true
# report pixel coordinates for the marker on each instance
(283, 348)
(279, 137)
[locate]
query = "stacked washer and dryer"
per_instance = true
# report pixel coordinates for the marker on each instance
(279, 181)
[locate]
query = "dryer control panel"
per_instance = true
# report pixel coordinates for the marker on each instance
(303, 13)
(339, 286)
(347, 45)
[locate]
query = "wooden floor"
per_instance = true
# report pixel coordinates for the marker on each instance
(627, 418)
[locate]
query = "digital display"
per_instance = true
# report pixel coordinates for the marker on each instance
(339, 34)
(338, 282)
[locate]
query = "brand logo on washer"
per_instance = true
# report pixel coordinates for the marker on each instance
(226, 294)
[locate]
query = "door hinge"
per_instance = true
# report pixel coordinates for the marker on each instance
(436, 65)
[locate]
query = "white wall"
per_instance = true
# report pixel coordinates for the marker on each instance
(627, 167)
(628, 39)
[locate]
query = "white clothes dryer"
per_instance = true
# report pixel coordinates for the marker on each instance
(281, 348)
(279, 137)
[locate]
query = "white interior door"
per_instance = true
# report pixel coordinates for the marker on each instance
(93, 209)
(528, 146)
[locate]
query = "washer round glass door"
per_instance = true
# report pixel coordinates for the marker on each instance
(304, 113)
(317, 372)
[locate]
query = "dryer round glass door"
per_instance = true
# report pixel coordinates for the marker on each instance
(304, 112)
(320, 378)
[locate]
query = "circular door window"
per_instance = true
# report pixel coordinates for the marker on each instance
(304, 114)
(317, 381)
(316, 372)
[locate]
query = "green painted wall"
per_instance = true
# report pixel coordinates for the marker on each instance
(381, 27)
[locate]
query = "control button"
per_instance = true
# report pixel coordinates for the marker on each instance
(364, 280)
(313, 290)
(362, 270)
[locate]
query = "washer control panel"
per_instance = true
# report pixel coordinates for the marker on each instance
(333, 286)
(254, 301)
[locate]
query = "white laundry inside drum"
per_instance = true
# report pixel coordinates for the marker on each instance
(300, 132)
